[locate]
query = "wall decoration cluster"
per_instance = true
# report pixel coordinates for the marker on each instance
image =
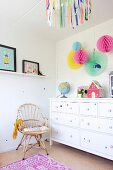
(95, 62)
(7, 58)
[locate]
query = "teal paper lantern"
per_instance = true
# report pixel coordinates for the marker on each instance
(76, 46)
(96, 64)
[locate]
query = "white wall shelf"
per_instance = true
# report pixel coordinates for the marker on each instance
(21, 74)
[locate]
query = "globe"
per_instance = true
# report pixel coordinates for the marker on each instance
(64, 88)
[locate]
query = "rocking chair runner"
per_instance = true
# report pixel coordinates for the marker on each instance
(34, 125)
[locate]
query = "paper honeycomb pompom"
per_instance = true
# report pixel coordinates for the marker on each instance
(96, 64)
(81, 57)
(105, 43)
(76, 46)
(71, 63)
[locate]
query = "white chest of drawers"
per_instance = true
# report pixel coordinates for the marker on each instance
(85, 124)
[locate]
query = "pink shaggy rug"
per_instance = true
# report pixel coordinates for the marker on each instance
(36, 162)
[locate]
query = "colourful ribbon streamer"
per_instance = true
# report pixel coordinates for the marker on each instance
(71, 12)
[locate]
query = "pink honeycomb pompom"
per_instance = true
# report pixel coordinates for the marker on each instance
(80, 56)
(105, 43)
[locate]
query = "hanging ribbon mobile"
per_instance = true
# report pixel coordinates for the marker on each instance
(61, 13)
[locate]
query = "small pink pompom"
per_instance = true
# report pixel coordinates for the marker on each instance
(80, 56)
(105, 43)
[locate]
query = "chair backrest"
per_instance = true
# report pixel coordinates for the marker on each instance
(31, 116)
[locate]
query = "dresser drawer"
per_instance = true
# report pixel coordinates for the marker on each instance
(65, 107)
(65, 119)
(87, 108)
(70, 120)
(97, 142)
(57, 117)
(71, 136)
(56, 132)
(106, 109)
(105, 125)
(58, 106)
(72, 107)
(88, 123)
(106, 144)
(89, 140)
(66, 135)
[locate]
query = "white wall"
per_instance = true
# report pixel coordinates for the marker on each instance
(17, 89)
(88, 40)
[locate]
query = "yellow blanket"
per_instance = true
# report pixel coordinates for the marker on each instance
(18, 123)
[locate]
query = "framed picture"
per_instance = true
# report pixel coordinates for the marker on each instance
(30, 67)
(7, 58)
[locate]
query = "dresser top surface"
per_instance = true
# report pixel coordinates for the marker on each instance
(82, 99)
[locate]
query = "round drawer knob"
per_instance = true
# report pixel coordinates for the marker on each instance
(106, 147)
(109, 110)
(71, 136)
(88, 123)
(87, 109)
(70, 120)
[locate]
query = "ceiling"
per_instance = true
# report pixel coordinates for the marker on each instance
(30, 16)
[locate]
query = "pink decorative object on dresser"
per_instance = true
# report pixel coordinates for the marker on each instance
(95, 90)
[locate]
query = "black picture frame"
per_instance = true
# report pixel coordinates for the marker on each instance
(30, 67)
(7, 58)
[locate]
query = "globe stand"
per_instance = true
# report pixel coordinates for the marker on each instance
(63, 96)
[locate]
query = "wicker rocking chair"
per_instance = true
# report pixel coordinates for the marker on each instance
(34, 125)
